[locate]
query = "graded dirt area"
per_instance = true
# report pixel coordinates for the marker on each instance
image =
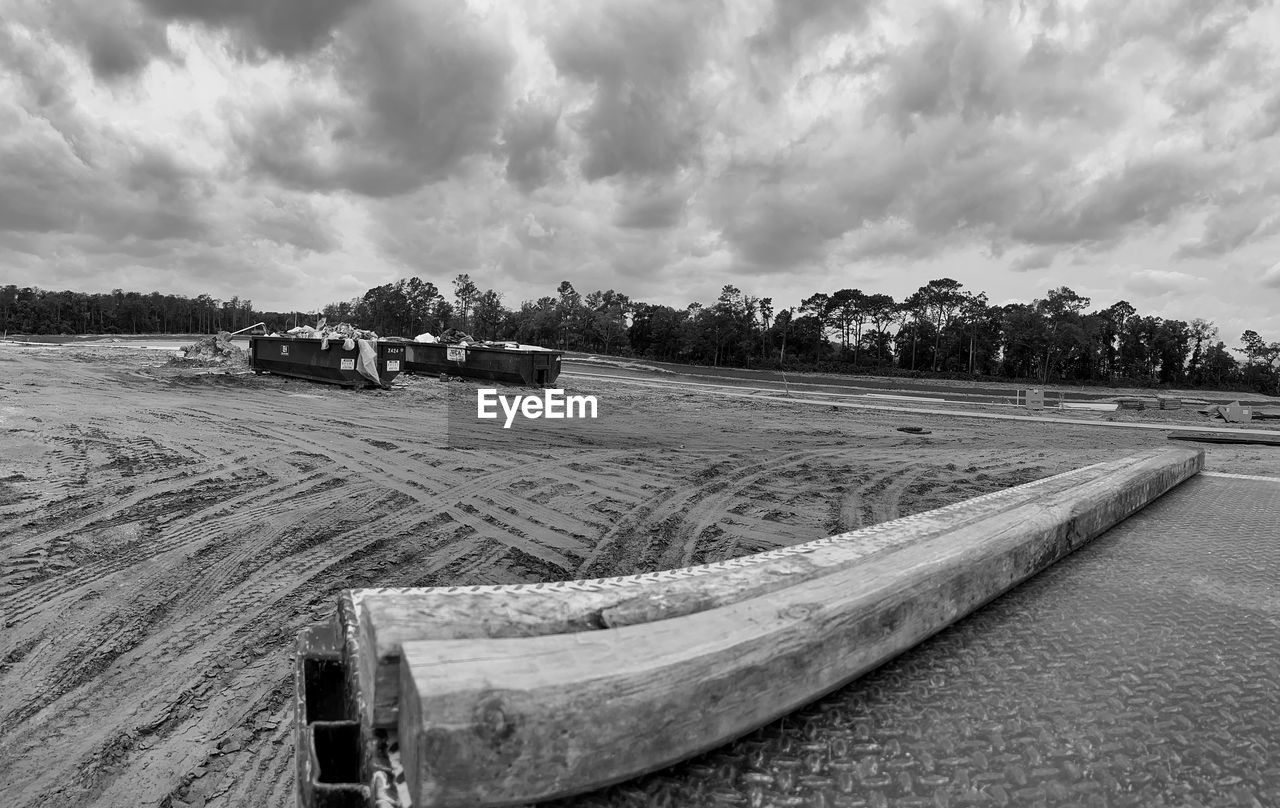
(166, 531)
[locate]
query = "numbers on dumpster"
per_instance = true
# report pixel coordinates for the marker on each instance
(348, 364)
(284, 350)
(456, 354)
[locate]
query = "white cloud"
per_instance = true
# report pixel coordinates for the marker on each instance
(1271, 277)
(1159, 282)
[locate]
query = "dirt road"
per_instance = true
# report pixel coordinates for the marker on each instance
(165, 534)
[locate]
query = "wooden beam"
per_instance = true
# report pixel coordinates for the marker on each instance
(387, 618)
(488, 722)
(1227, 437)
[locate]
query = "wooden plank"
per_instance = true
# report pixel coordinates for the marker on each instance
(1226, 437)
(488, 722)
(387, 618)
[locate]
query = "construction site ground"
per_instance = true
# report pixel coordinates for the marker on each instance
(166, 530)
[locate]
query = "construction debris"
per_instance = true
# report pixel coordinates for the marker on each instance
(452, 336)
(327, 333)
(1233, 413)
(215, 351)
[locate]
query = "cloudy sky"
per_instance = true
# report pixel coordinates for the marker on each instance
(296, 152)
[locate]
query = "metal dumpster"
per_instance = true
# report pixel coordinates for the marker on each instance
(304, 359)
(524, 365)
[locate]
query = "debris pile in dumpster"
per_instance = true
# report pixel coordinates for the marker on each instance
(217, 350)
(345, 332)
(452, 336)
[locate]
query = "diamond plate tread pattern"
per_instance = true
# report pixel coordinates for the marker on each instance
(1144, 670)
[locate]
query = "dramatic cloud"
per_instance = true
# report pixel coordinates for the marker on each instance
(1036, 259)
(299, 151)
(279, 26)
(119, 39)
(531, 138)
(638, 58)
(1238, 219)
(419, 87)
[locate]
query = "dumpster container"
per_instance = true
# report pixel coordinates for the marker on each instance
(303, 358)
(524, 365)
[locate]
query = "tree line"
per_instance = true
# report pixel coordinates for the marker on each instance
(29, 310)
(940, 329)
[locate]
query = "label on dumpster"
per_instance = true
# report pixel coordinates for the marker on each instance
(393, 364)
(348, 364)
(284, 350)
(456, 354)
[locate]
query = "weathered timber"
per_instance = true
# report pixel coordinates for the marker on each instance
(1227, 437)
(488, 722)
(389, 617)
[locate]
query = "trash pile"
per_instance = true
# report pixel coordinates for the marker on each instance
(325, 333)
(452, 336)
(215, 351)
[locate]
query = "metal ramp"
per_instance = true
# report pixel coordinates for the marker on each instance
(1142, 670)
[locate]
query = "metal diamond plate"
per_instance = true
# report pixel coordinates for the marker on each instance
(1144, 670)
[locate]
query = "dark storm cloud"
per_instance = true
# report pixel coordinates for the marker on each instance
(279, 26)
(955, 67)
(1239, 219)
(1036, 259)
(59, 173)
(771, 229)
(44, 189)
(974, 69)
(1266, 123)
(639, 58)
(652, 207)
(912, 200)
(119, 40)
(43, 79)
(165, 200)
(1053, 82)
(795, 20)
(1146, 192)
(425, 88)
(295, 223)
(530, 137)
(31, 179)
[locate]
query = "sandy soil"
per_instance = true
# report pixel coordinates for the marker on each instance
(166, 532)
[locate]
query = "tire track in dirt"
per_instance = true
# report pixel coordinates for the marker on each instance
(708, 510)
(157, 541)
(697, 547)
(451, 493)
(655, 523)
(216, 635)
(240, 602)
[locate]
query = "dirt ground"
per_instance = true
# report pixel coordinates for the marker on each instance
(166, 532)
